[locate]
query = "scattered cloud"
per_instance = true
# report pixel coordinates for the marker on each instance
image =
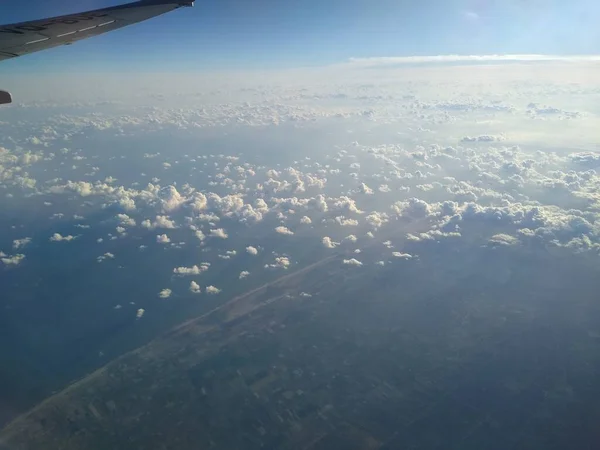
(328, 242)
(106, 256)
(194, 270)
(211, 290)
(57, 237)
(219, 233)
(14, 260)
(194, 287)
(20, 243)
(284, 230)
(163, 239)
(165, 293)
(352, 262)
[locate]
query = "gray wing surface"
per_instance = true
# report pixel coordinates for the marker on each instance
(27, 37)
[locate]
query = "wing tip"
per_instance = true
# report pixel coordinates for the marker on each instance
(166, 2)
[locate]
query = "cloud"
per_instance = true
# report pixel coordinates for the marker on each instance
(159, 222)
(20, 243)
(503, 239)
(352, 262)
(219, 233)
(211, 290)
(140, 313)
(170, 198)
(344, 222)
(305, 220)
(252, 250)
(57, 237)
(14, 260)
(125, 220)
(364, 189)
(165, 293)
(328, 242)
(402, 255)
(283, 230)
(281, 262)
(162, 239)
(194, 270)
(194, 287)
(107, 255)
(471, 16)
(243, 274)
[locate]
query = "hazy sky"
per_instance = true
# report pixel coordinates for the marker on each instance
(243, 33)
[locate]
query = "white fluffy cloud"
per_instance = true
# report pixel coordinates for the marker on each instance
(194, 270)
(252, 250)
(57, 237)
(159, 222)
(211, 290)
(243, 274)
(402, 255)
(162, 239)
(281, 262)
(352, 262)
(165, 293)
(328, 242)
(219, 233)
(106, 256)
(20, 243)
(284, 230)
(194, 287)
(305, 220)
(14, 260)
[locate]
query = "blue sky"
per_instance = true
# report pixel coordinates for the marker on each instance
(249, 34)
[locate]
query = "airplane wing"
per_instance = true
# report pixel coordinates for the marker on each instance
(27, 37)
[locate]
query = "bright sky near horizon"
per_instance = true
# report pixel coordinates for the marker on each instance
(218, 34)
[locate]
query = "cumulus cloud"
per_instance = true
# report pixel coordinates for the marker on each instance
(344, 222)
(503, 239)
(194, 270)
(252, 250)
(402, 255)
(219, 233)
(352, 262)
(283, 230)
(364, 189)
(165, 293)
(159, 222)
(328, 242)
(281, 262)
(305, 220)
(107, 255)
(140, 313)
(20, 243)
(212, 290)
(162, 239)
(14, 260)
(125, 220)
(57, 237)
(194, 287)
(243, 274)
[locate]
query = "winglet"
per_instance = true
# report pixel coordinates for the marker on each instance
(5, 98)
